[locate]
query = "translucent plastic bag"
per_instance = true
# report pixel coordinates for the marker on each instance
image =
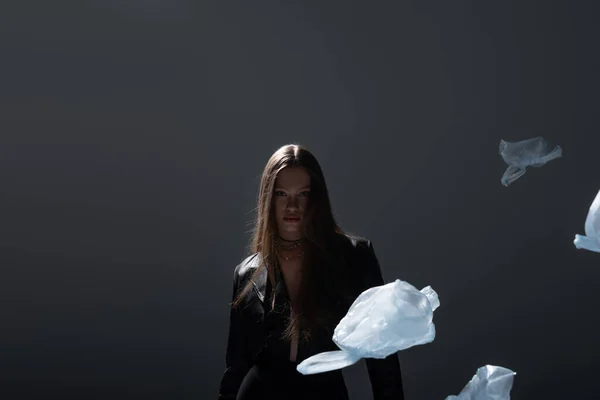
(381, 321)
(489, 383)
(526, 153)
(591, 240)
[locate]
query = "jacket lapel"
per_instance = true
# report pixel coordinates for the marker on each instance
(259, 284)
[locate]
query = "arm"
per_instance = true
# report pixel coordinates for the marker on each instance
(237, 359)
(384, 374)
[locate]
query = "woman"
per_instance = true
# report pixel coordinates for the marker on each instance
(290, 294)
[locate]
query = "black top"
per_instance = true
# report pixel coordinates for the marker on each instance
(276, 349)
(274, 356)
(255, 330)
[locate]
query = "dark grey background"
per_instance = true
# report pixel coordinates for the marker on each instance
(133, 134)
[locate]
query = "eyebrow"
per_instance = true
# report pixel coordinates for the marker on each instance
(304, 188)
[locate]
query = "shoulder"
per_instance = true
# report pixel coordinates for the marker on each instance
(359, 242)
(355, 250)
(354, 243)
(247, 266)
(363, 270)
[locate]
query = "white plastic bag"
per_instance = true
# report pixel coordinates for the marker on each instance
(381, 321)
(489, 383)
(526, 153)
(591, 240)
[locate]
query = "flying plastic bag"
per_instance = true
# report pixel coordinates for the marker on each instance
(591, 240)
(526, 153)
(381, 321)
(489, 383)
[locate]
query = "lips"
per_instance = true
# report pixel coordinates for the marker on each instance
(291, 219)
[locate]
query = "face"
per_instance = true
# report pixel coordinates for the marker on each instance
(291, 194)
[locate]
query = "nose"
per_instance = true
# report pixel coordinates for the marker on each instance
(291, 204)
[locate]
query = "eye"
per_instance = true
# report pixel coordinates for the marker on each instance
(279, 193)
(305, 193)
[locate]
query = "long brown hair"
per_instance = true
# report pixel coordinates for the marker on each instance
(321, 262)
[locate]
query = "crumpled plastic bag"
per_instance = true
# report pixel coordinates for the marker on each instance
(381, 321)
(591, 240)
(526, 153)
(489, 383)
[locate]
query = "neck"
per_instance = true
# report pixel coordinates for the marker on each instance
(289, 250)
(288, 239)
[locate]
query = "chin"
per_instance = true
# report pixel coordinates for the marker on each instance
(292, 232)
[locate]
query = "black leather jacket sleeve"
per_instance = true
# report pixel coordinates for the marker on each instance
(384, 374)
(237, 356)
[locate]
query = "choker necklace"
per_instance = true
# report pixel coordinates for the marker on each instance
(281, 246)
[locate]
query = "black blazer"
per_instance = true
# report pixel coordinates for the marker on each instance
(246, 335)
